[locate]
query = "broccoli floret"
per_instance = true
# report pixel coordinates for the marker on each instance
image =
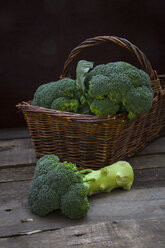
(44, 95)
(47, 93)
(138, 100)
(65, 104)
(45, 164)
(107, 70)
(113, 82)
(104, 107)
(138, 78)
(99, 87)
(58, 185)
(74, 203)
(52, 180)
(118, 67)
(42, 197)
(97, 70)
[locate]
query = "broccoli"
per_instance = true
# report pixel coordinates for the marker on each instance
(138, 100)
(43, 96)
(104, 107)
(123, 84)
(74, 203)
(65, 104)
(117, 175)
(52, 182)
(58, 185)
(107, 89)
(46, 95)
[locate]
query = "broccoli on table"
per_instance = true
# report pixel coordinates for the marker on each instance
(58, 185)
(51, 184)
(74, 203)
(123, 84)
(117, 175)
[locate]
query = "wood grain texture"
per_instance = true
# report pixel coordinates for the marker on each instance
(14, 133)
(16, 174)
(17, 152)
(143, 178)
(118, 219)
(114, 206)
(129, 233)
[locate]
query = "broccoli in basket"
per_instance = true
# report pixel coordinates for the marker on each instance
(118, 85)
(58, 185)
(60, 95)
(107, 89)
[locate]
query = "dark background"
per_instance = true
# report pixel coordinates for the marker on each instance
(37, 36)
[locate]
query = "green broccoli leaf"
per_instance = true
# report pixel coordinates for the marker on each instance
(82, 69)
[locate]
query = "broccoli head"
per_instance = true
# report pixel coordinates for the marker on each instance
(74, 203)
(114, 82)
(138, 100)
(43, 96)
(106, 84)
(58, 185)
(46, 94)
(42, 197)
(51, 182)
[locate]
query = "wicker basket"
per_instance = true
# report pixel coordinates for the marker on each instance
(90, 141)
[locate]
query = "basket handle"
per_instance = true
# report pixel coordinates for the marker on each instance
(119, 41)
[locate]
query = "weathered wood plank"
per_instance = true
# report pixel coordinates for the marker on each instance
(156, 146)
(149, 171)
(17, 152)
(148, 233)
(16, 174)
(149, 178)
(147, 161)
(117, 205)
(6, 145)
(14, 133)
(18, 157)
(146, 178)
(20, 151)
(137, 204)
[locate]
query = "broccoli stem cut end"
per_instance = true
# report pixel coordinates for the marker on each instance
(117, 175)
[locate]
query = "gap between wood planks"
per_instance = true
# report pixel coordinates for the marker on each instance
(81, 233)
(29, 233)
(147, 233)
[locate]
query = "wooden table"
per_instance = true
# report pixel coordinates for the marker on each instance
(117, 219)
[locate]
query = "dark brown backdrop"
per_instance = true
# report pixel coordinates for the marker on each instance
(36, 37)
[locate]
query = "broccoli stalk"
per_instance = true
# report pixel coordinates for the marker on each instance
(117, 175)
(58, 185)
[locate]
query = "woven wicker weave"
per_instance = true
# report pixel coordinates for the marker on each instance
(90, 141)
